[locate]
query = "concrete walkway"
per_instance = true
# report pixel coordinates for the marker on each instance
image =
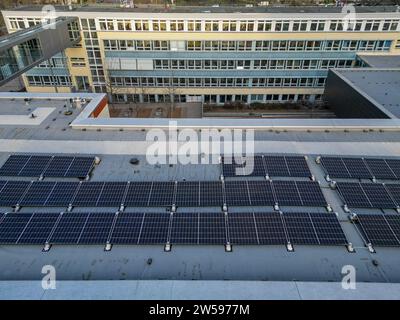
(140, 147)
(196, 290)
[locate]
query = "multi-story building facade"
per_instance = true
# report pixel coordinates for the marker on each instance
(215, 55)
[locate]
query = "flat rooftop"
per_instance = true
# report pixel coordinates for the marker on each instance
(382, 61)
(219, 9)
(187, 262)
(378, 85)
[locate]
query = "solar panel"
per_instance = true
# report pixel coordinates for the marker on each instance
(38, 193)
(80, 167)
(286, 193)
(378, 196)
(297, 166)
(127, 228)
(162, 194)
(62, 194)
(13, 165)
(270, 229)
(211, 194)
(394, 223)
(250, 165)
(212, 229)
(12, 226)
(35, 166)
(300, 228)
(58, 166)
(228, 167)
(138, 194)
(88, 194)
(276, 166)
(335, 167)
(377, 230)
(97, 228)
(12, 192)
(394, 165)
(253, 166)
(236, 193)
(311, 194)
(357, 168)
(39, 228)
(2, 184)
(394, 190)
(69, 228)
(328, 229)
(185, 228)
(112, 195)
(242, 228)
(188, 194)
(379, 168)
(155, 228)
(260, 193)
(353, 195)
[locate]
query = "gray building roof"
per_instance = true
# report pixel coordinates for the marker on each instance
(382, 61)
(261, 264)
(378, 85)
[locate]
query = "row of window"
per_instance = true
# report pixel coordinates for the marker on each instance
(259, 45)
(43, 81)
(297, 25)
(213, 98)
(55, 62)
(78, 62)
(248, 25)
(251, 64)
(216, 82)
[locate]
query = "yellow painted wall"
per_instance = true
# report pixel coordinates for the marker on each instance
(78, 71)
(48, 89)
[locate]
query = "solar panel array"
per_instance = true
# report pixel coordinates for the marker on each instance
(361, 168)
(264, 165)
(294, 228)
(47, 166)
(160, 194)
(178, 228)
(380, 230)
(370, 195)
(269, 193)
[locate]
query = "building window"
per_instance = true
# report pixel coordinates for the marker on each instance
(264, 26)
(124, 25)
(160, 45)
(211, 26)
(211, 45)
(159, 25)
(282, 26)
(194, 45)
(244, 45)
(228, 46)
(246, 26)
(299, 26)
(177, 25)
(106, 24)
(141, 25)
(194, 25)
(262, 45)
(78, 62)
(143, 45)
